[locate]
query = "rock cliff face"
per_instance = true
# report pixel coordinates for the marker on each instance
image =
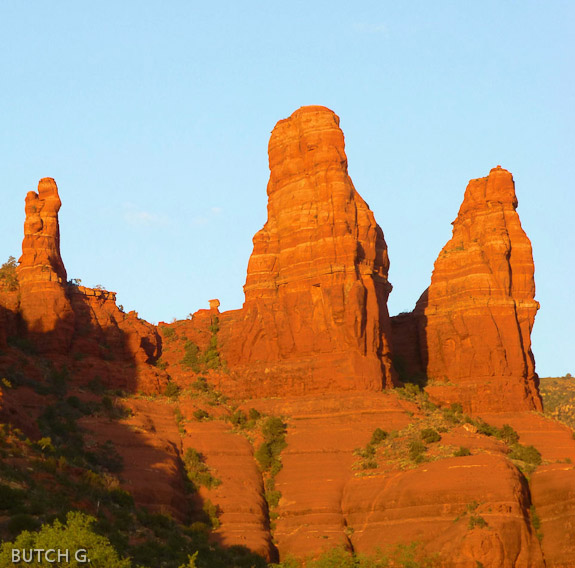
(44, 305)
(64, 319)
(105, 334)
(315, 314)
(472, 325)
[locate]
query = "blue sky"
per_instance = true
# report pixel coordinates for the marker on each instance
(154, 119)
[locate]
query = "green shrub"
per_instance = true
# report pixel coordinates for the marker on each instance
(106, 455)
(273, 498)
(210, 359)
(122, 498)
(429, 435)
(95, 385)
(486, 429)
(76, 534)
(213, 512)
(273, 429)
(536, 522)
(254, 414)
(462, 451)
(191, 356)
(10, 498)
(238, 418)
(22, 522)
(161, 364)
(476, 521)
(409, 391)
(198, 472)
(264, 456)
(201, 384)
(378, 436)
(172, 390)
(9, 274)
(22, 343)
(268, 453)
(334, 558)
(507, 434)
(215, 325)
(454, 413)
(417, 450)
(528, 454)
(169, 333)
(201, 414)
(365, 453)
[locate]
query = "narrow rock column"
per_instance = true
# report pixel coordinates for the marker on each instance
(44, 305)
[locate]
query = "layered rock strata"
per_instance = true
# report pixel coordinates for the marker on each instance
(106, 337)
(470, 330)
(315, 313)
(44, 306)
(63, 319)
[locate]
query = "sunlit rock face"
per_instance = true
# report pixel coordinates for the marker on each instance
(315, 314)
(470, 330)
(44, 305)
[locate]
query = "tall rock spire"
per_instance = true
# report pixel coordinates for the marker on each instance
(315, 313)
(474, 321)
(44, 305)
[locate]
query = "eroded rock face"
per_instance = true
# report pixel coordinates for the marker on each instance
(44, 305)
(315, 314)
(437, 503)
(473, 324)
(104, 332)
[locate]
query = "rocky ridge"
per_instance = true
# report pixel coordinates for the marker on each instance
(469, 491)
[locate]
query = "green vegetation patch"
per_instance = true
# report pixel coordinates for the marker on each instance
(9, 275)
(198, 472)
(558, 394)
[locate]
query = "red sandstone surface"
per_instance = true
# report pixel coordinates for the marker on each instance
(44, 305)
(470, 330)
(315, 315)
(312, 345)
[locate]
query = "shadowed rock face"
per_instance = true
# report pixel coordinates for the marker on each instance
(61, 318)
(44, 305)
(472, 326)
(315, 314)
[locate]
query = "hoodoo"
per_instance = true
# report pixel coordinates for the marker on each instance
(470, 330)
(315, 313)
(44, 305)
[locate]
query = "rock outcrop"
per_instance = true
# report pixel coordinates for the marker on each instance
(44, 306)
(106, 338)
(471, 328)
(66, 319)
(315, 313)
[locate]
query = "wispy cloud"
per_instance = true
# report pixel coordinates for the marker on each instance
(135, 216)
(207, 217)
(371, 28)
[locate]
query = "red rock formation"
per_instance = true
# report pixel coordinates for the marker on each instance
(474, 321)
(105, 332)
(44, 305)
(553, 490)
(315, 314)
(435, 505)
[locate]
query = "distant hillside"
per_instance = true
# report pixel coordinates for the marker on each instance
(559, 398)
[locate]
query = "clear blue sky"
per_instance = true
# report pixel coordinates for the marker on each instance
(154, 119)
